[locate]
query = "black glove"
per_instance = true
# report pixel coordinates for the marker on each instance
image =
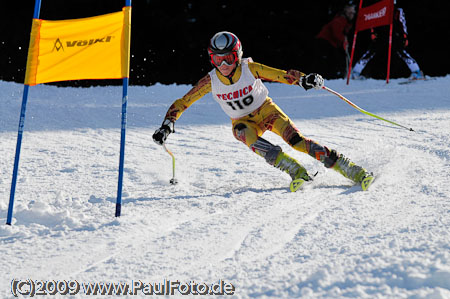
(312, 80)
(160, 135)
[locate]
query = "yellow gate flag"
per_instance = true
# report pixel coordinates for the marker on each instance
(88, 48)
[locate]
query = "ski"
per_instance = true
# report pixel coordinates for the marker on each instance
(409, 81)
(367, 181)
(298, 183)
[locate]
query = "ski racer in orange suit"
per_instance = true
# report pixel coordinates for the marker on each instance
(236, 84)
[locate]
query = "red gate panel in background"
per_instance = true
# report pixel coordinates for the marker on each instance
(375, 15)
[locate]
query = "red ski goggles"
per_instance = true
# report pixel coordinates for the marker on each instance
(228, 59)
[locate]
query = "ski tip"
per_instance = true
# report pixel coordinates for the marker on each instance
(296, 184)
(366, 182)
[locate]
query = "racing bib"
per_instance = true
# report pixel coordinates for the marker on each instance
(241, 98)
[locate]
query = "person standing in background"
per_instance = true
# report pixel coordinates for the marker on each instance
(332, 44)
(380, 40)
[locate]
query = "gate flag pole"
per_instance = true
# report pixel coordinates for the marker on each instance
(125, 84)
(122, 146)
(37, 10)
(389, 53)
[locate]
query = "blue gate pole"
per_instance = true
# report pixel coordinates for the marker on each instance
(16, 158)
(37, 9)
(122, 146)
(122, 138)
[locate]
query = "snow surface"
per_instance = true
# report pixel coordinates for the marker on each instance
(231, 217)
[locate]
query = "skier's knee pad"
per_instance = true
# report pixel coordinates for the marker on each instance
(323, 154)
(330, 159)
(296, 138)
(245, 133)
(239, 131)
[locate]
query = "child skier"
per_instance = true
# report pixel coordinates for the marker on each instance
(236, 85)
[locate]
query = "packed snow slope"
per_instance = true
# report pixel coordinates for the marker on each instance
(231, 217)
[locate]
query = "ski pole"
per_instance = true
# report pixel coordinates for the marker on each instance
(173, 180)
(364, 111)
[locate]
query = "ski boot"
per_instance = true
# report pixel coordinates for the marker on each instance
(417, 75)
(353, 172)
(273, 154)
(297, 172)
(357, 76)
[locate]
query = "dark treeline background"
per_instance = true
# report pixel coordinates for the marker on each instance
(169, 38)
